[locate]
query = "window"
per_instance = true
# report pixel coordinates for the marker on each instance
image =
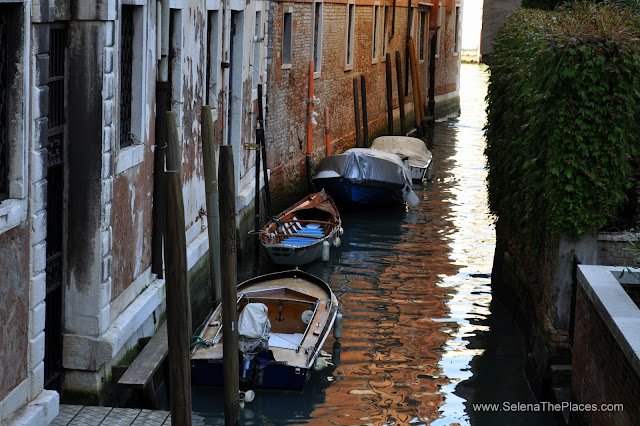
(456, 31)
(130, 94)
(212, 59)
(385, 33)
(287, 33)
(316, 41)
(126, 74)
(13, 143)
(439, 32)
(4, 88)
(349, 37)
(376, 16)
(422, 34)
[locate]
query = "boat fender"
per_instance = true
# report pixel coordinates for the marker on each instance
(321, 363)
(412, 199)
(341, 230)
(325, 251)
(337, 326)
(337, 242)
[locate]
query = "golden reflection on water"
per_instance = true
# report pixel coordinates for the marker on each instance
(408, 299)
(412, 286)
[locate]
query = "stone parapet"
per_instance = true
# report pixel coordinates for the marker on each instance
(606, 349)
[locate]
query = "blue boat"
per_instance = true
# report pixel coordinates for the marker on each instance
(284, 319)
(362, 177)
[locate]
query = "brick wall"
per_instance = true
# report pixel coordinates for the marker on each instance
(618, 248)
(287, 96)
(602, 374)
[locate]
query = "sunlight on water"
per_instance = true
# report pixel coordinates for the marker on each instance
(414, 289)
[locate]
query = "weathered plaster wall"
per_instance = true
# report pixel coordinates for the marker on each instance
(14, 308)
(132, 203)
(84, 123)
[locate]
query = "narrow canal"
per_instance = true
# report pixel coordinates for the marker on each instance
(423, 340)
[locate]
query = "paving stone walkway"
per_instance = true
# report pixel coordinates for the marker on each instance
(79, 415)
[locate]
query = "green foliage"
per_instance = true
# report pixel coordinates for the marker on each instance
(562, 126)
(542, 4)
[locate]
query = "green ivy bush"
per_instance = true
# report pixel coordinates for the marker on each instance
(563, 122)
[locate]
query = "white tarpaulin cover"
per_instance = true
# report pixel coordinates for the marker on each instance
(367, 167)
(253, 329)
(413, 148)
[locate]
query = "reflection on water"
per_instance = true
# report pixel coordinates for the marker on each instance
(414, 289)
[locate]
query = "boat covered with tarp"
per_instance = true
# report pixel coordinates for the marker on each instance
(413, 149)
(361, 177)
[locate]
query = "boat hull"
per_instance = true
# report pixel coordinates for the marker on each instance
(301, 311)
(296, 236)
(262, 374)
(356, 195)
(284, 254)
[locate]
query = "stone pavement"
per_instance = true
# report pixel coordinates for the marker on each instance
(78, 415)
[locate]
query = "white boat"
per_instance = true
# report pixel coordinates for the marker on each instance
(284, 319)
(419, 158)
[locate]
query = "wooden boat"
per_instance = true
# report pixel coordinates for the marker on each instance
(296, 236)
(362, 177)
(413, 149)
(284, 319)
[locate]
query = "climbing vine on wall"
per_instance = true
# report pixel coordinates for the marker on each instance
(563, 118)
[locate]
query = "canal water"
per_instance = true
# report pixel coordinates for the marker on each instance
(423, 339)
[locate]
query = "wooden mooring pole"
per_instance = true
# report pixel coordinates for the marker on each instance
(211, 193)
(417, 99)
(356, 111)
(403, 124)
(389, 95)
(365, 123)
(231, 374)
(178, 303)
(263, 149)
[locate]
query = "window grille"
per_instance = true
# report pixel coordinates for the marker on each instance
(126, 75)
(4, 139)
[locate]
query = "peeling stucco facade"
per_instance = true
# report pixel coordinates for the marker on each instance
(110, 296)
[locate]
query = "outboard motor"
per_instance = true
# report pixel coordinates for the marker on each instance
(253, 336)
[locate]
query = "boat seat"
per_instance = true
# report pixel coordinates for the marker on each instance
(298, 241)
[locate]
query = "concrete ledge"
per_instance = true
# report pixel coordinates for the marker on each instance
(622, 317)
(41, 411)
(90, 353)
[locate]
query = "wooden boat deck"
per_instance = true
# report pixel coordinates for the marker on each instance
(295, 296)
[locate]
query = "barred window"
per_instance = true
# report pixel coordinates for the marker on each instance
(287, 33)
(4, 140)
(126, 74)
(349, 37)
